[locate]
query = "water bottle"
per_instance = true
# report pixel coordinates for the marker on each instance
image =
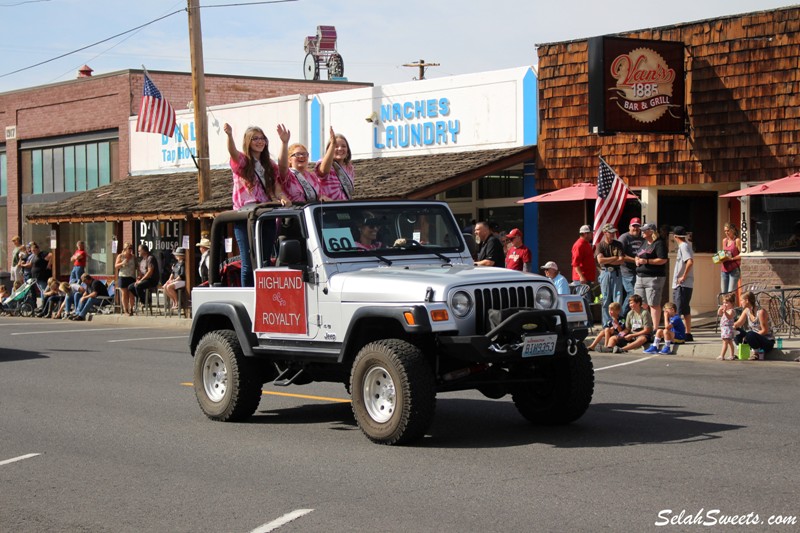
(780, 343)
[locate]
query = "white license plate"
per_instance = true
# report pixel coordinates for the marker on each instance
(539, 345)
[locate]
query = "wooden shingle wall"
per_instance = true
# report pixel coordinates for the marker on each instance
(743, 104)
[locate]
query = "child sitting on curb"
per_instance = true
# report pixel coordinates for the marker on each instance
(615, 327)
(674, 331)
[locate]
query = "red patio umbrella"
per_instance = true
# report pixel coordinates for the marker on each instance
(579, 191)
(787, 185)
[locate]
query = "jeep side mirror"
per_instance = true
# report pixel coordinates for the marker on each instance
(289, 253)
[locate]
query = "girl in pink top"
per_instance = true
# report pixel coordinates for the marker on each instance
(255, 175)
(301, 185)
(335, 170)
(256, 179)
(731, 273)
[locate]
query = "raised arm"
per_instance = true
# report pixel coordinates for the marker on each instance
(234, 153)
(324, 166)
(283, 158)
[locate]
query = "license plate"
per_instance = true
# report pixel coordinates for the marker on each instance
(539, 345)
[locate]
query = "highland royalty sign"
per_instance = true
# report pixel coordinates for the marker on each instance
(636, 86)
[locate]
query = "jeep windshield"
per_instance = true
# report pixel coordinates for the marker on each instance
(381, 229)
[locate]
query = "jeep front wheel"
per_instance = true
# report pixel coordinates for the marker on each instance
(226, 387)
(393, 392)
(565, 393)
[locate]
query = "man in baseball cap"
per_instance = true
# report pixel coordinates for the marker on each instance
(609, 257)
(651, 271)
(551, 271)
(631, 241)
(583, 267)
(683, 279)
(518, 256)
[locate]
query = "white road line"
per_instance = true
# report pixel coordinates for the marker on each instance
(149, 338)
(275, 524)
(20, 458)
(81, 330)
(623, 364)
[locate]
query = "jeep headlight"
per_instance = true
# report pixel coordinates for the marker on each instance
(461, 304)
(545, 298)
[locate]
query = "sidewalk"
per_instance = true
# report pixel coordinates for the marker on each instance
(150, 321)
(707, 343)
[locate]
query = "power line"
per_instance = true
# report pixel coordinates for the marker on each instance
(131, 30)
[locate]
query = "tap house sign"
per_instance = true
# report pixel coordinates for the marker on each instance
(636, 86)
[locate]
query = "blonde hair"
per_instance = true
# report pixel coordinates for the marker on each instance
(614, 306)
(670, 305)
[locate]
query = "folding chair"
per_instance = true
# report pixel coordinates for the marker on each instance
(106, 305)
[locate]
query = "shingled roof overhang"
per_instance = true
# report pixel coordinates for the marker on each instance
(174, 196)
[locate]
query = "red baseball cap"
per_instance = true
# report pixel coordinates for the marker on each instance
(514, 233)
(636, 221)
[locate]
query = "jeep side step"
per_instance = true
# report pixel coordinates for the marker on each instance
(281, 381)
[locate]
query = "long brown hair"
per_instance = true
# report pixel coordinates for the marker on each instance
(250, 165)
(349, 155)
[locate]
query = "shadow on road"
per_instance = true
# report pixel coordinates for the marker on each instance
(480, 424)
(11, 354)
(334, 413)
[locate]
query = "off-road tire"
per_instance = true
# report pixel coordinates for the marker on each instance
(227, 387)
(565, 395)
(393, 392)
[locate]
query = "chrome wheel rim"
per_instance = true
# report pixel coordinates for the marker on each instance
(215, 377)
(380, 396)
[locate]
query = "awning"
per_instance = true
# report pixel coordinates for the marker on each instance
(579, 191)
(787, 185)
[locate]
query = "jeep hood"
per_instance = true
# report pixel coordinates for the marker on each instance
(410, 283)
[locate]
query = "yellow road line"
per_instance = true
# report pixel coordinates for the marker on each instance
(290, 395)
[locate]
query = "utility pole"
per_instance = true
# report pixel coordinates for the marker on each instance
(422, 65)
(199, 99)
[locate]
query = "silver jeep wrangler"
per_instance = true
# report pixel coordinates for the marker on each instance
(384, 298)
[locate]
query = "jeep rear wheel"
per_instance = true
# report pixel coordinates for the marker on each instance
(393, 392)
(564, 396)
(227, 388)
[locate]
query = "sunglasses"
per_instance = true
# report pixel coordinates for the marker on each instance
(300, 154)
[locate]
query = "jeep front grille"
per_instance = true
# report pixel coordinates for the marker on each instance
(500, 298)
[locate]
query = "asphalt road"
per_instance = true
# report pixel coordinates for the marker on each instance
(122, 446)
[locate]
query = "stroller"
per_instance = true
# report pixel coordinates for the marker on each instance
(19, 303)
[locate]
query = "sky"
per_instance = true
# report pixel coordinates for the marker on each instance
(265, 38)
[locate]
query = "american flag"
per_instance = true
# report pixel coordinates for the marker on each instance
(155, 115)
(611, 196)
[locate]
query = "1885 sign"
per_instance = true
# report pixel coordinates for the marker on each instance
(636, 86)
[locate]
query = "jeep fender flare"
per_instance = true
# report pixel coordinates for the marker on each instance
(211, 316)
(422, 323)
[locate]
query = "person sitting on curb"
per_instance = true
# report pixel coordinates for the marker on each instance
(94, 290)
(674, 331)
(613, 328)
(640, 328)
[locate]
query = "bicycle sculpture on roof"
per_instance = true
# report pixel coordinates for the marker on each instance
(321, 54)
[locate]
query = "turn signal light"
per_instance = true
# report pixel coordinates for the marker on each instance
(409, 316)
(439, 315)
(575, 307)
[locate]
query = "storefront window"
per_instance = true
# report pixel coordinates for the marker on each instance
(68, 168)
(3, 174)
(774, 223)
(506, 218)
(97, 236)
(3, 236)
(506, 184)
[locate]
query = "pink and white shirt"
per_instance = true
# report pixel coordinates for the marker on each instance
(242, 195)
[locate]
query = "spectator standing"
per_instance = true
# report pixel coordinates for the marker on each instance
(147, 274)
(727, 316)
(39, 264)
(14, 268)
(518, 256)
(584, 268)
(683, 279)
(551, 271)
(732, 246)
(651, 271)
(204, 246)
(79, 259)
(337, 176)
(631, 242)
(491, 250)
(609, 257)
(94, 290)
(126, 272)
